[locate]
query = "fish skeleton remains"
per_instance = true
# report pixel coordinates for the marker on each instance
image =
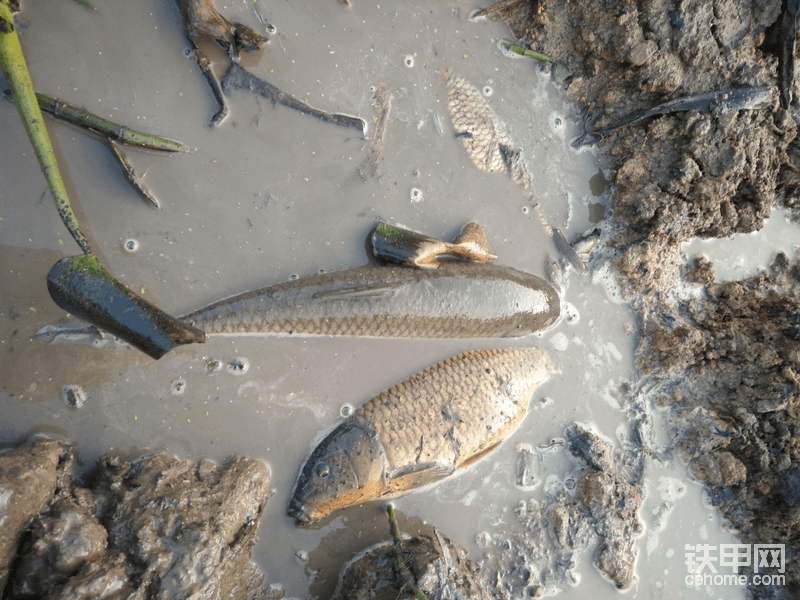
(457, 300)
(419, 431)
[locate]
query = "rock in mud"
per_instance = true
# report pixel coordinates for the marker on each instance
(29, 476)
(440, 568)
(157, 527)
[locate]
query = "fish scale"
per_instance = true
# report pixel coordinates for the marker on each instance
(420, 430)
(409, 419)
(483, 135)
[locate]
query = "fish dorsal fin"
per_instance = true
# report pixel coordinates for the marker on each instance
(472, 243)
(360, 291)
(415, 476)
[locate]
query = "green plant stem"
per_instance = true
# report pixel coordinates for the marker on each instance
(397, 541)
(16, 72)
(529, 53)
(81, 117)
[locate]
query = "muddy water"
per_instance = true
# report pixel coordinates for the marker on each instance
(272, 193)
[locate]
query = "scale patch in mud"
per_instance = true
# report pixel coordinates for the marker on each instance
(483, 134)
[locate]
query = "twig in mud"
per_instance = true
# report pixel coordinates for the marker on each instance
(238, 78)
(722, 101)
(787, 33)
(201, 19)
(82, 118)
(383, 103)
(406, 576)
(502, 5)
(131, 175)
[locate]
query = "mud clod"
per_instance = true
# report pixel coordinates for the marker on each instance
(157, 527)
(440, 568)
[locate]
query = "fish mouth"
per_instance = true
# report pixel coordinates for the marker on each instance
(303, 514)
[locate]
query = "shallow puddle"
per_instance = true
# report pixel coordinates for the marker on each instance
(273, 193)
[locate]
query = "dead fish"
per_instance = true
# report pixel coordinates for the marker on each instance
(457, 300)
(483, 134)
(402, 246)
(419, 431)
(722, 101)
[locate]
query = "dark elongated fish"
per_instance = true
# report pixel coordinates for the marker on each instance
(419, 431)
(457, 300)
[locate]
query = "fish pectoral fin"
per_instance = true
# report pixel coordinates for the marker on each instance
(478, 455)
(361, 291)
(416, 476)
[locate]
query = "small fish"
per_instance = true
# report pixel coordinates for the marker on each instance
(419, 431)
(457, 300)
(405, 247)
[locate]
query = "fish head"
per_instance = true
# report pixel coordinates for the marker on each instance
(346, 468)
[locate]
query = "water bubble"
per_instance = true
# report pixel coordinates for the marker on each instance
(73, 396)
(372, 88)
(525, 210)
(570, 484)
(177, 387)
(346, 410)
(487, 90)
(213, 366)
(238, 366)
(271, 28)
(302, 556)
(292, 277)
(558, 122)
(408, 61)
(416, 195)
(130, 246)
(571, 315)
(187, 52)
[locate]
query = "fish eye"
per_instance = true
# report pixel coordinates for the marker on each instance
(322, 470)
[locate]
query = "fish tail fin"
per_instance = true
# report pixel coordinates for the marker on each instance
(471, 243)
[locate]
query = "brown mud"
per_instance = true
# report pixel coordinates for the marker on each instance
(726, 363)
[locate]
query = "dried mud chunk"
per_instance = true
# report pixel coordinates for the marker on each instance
(641, 52)
(62, 540)
(587, 445)
(440, 568)
(719, 468)
(558, 521)
(702, 271)
(29, 476)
